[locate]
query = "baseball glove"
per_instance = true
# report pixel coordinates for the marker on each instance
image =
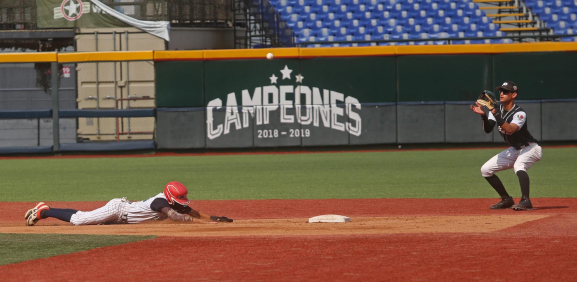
(220, 218)
(487, 100)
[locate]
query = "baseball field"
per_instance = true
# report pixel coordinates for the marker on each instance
(416, 215)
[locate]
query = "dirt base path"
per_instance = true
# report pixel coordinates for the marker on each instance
(295, 227)
(387, 240)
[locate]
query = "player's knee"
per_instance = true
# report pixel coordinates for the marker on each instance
(519, 167)
(486, 171)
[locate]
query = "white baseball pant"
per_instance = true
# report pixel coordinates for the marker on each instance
(114, 212)
(521, 159)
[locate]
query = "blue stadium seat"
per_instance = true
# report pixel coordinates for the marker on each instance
(323, 33)
(356, 23)
(390, 25)
(451, 10)
(553, 20)
(385, 16)
(414, 10)
(465, 21)
(421, 17)
(556, 6)
(416, 29)
(461, 4)
(378, 8)
(432, 9)
(410, 23)
(538, 7)
(403, 18)
(335, 25)
(433, 29)
(561, 27)
(565, 14)
(347, 19)
(446, 23)
(439, 16)
(315, 25)
(459, 14)
(473, 31)
(366, 16)
(324, 9)
(444, 4)
(491, 28)
(470, 9)
(453, 31)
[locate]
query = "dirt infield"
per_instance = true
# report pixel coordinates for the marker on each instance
(386, 240)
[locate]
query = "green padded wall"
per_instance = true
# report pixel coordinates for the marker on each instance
(538, 75)
(369, 79)
(443, 77)
(179, 84)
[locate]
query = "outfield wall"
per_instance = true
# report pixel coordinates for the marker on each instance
(332, 96)
(353, 96)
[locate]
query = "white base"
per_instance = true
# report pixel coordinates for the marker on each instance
(329, 218)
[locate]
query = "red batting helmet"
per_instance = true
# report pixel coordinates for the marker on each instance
(176, 192)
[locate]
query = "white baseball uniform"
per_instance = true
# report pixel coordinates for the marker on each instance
(524, 150)
(118, 211)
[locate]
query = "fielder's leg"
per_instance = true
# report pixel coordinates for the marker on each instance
(499, 162)
(527, 157)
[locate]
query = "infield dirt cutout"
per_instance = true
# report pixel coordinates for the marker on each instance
(291, 227)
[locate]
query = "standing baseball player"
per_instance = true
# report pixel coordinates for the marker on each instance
(171, 203)
(511, 122)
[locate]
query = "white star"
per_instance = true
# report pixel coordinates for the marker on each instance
(273, 79)
(286, 73)
(72, 8)
(299, 78)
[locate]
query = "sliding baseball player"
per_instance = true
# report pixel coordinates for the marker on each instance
(171, 203)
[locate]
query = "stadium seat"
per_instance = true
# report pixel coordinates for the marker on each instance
(470, 9)
(491, 28)
(446, 23)
(366, 16)
(564, 14)
(433, 29)
(416, 29)
(539, 8)
(556, 6)
(385, 16)
(414, 10)
(459, 14)
(561, 27)
(453, 31)
(421, 17)
(389, 25)
(471, 30)
(347, 19)
(553, 20)
(451, 10)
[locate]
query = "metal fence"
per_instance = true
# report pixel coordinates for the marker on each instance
(94, 102)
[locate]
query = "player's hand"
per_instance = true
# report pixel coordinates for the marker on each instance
(477, 109)
(220, 219)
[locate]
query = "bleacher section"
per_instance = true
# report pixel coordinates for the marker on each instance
(559, 15)
(326, 21)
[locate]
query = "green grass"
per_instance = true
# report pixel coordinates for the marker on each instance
(22, 247)
(397, 174)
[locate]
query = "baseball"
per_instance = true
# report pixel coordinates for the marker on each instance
(399, 146)
(269, 56)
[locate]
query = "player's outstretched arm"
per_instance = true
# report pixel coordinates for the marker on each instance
(213, 218)
(174, 215)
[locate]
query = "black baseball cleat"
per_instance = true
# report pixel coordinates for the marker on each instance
(505, 203)
(523, 205)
